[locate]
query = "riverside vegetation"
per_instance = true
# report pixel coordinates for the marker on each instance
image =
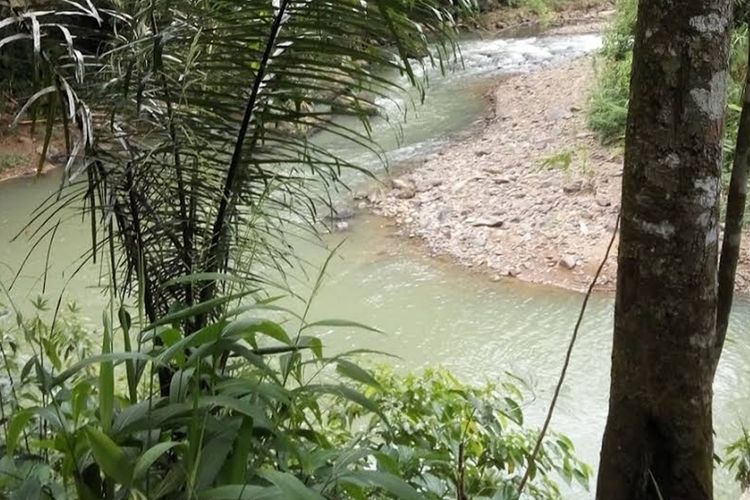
(204, 387)
(197, 384)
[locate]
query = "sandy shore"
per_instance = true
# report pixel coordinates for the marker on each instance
(531, 194)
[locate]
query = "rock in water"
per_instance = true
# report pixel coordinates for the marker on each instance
(340, 213)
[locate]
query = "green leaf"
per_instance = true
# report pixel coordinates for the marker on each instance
(242, 492)
(99, 358)
(203, 277)
(125, 324)
(16, 427)
(235, 467)
(356, 373)
(513, 411)
(147, 459)
(237, 405)
(110, 457)
(341, 323)
(346, 393)
(385, 481)
(244, 327)
(290, 486)
(27, 367)
(196, 310)
(29, 489)
(106, 380)
(203, 336)
(313, 343)
(214, 453)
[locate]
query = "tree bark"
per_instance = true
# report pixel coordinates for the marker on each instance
(735, 212)
(658, 438)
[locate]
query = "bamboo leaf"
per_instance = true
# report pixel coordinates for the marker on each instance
(242, 492)
(290, 486)
(17, 425)
(383, 480)
(147, 459)
(106, 378)
(92, 360)
(340, 323)
(110, 457)
(356, 373)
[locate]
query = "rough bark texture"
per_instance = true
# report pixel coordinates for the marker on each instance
(736, 198)
(658, 439)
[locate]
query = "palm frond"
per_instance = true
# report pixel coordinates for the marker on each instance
(195, 119)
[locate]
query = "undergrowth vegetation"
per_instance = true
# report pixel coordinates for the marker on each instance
(255, 409)
(187, 129)
(608, 104)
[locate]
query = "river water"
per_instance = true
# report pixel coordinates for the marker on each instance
(434, 312)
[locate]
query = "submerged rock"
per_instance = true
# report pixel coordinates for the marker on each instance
(340, 213)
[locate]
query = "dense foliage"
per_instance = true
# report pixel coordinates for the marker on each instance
(737, 459)
(187, 123)
(609, 101)
(254, 410)
(188, 129)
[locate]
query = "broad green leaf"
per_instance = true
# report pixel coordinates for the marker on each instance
(147, 459)
(135, 413)
(204, 336)
(385, 481)
(235, 468)
(237, 405)
(313, 343)
(349, 457)
(356, 373)
(110, 457)
(16, 427)
(344, 392)
(29, 489)
(196, 310)
(242, 492)
(214, 453)
(290, 486)
(249, 326)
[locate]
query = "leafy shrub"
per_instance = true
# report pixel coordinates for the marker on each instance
(444, 437)
(607, 111)
(608, 105)
(254, 409)
(737, 459)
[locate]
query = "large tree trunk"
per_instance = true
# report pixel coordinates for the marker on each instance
(658, 439)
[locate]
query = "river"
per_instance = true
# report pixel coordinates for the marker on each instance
(434, 312)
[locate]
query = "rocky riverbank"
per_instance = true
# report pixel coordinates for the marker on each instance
(531, 194)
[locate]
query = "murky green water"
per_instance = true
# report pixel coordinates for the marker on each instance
(433, 311)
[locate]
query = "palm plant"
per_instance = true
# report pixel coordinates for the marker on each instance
(188, 123)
